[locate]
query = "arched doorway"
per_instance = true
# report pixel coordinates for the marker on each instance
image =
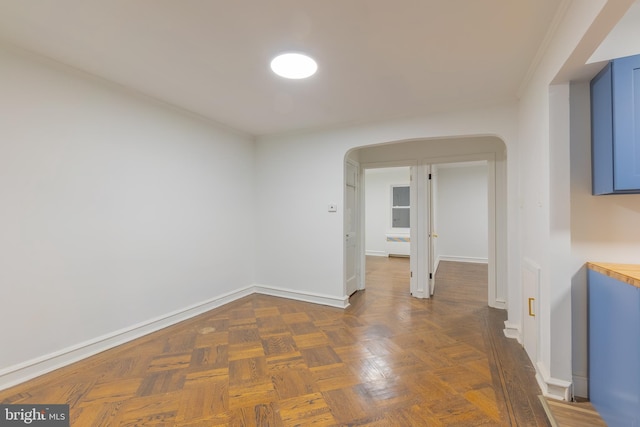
(423, 154)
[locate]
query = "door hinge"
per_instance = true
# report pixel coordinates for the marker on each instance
(430, 275)
(429, 176)
(412, 274)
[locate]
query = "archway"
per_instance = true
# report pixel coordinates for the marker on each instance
(426, 152)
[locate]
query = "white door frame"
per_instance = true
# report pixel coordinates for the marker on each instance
(358, 227)
(492, 231)
(413, 217)
(432, 236)
(419, 263)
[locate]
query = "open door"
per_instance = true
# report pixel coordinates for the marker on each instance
(432, 236)
(351, 216)
(457, 206)
(388, 218)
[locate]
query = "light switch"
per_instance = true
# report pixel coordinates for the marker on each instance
(333, 208)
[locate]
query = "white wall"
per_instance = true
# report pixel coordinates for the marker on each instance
(461, 212)
(501, 248)
(377, 197)
(299, 243)
(116, 211)
(545, 182)
(121, 214)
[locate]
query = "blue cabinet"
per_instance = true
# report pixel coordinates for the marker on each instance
(614, 349)
(615, 127)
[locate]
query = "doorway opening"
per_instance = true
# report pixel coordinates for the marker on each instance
(387, 219)
(459, 215)
(422, 157)
(454, 216)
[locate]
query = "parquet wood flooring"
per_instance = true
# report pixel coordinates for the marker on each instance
(387, 360)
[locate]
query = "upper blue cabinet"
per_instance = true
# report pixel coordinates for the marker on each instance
(615, 127)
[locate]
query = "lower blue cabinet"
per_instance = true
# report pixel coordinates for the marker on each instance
(614, 350)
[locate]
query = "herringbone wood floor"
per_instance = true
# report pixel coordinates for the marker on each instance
(388, 360)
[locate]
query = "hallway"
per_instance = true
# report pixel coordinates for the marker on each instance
(469, 363)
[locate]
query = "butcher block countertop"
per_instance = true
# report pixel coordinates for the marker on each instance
(627, 273)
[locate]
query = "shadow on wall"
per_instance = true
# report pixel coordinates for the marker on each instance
(579, 331)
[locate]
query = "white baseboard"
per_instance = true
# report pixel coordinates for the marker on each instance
(552, 387)
(16, 374)
(419, 294)
(30, 369)
(462, 259)
(375, 253)
(500, 304)
(512, 330)
(315, 298)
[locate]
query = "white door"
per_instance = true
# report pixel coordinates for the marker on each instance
(432, 236)
(530, 286)
(351, 216)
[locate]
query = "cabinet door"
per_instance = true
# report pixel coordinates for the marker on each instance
(626, 123)
(602, 131)
(614, 349)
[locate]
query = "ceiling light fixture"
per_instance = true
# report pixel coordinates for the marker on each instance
(294, 66)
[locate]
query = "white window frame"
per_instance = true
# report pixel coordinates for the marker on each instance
(408, 206)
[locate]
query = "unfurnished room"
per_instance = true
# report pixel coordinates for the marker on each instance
(278, 213)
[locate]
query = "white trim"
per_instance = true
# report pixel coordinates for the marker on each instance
(420, 294)
(497, 270)
(359, 226)
(455, 258)
(528, 265)
(416, 287)
(512, 330)
(25, 371)
(430, 209)
(500, 304)
(376, 253)
(413, 231)
(552, 387)
(362, 255)
(462, 164)
(391, 164)
(33, 368)
(303, 296)
(399, 230)
(543, 47)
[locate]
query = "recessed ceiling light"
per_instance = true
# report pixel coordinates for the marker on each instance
(294, 66)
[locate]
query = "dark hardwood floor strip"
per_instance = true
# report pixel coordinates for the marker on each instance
(498, 374)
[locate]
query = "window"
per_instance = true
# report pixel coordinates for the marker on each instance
(400, 205)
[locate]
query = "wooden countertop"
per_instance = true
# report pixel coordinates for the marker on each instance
(627, 273)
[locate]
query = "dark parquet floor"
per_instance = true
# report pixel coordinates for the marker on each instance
(387, 360)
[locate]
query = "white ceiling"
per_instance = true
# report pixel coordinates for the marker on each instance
(378, 59)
